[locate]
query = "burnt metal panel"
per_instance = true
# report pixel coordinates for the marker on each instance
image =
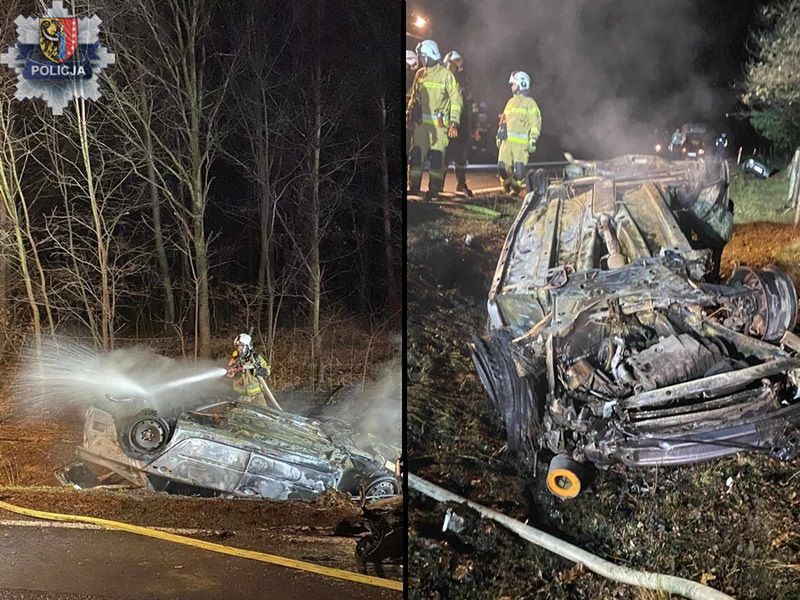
(710, 385)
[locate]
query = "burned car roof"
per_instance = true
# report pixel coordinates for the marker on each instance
(613, 339)
(237, 449)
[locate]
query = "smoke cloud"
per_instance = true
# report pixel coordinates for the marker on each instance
(376, 409)
(68, 374)
(606, 73)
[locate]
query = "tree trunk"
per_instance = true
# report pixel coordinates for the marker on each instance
(5, 249)
(155, 207)
(266, 219)
(393, 300)
(193, 84)
(203, 311)
(315, 279)
(106, 316)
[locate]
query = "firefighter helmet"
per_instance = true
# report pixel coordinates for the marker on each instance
(520, 80)
(412, 62)
(243, 344)
(453, 57)
(429, 52)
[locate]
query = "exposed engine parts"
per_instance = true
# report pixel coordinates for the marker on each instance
(635, 353)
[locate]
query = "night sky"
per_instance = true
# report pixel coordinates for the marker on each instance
(606, 73)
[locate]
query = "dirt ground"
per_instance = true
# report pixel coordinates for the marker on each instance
(731, 523)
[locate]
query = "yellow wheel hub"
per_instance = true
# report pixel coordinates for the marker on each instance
(563, 483)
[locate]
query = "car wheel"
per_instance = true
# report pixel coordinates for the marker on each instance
(383, 487)
(514, 397)
(145, 434)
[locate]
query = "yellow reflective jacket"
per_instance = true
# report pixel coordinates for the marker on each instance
(435, 90)
(246, 383)
(523, 120)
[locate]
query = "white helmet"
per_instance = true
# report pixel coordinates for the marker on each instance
(428, 50)
(244, 344)
(453, 57)
(411, 59)
(521, 79)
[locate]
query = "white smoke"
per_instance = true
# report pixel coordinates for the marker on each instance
(606, 73)
(70, 374)
(377, 409)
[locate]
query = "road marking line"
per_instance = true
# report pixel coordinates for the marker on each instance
(204, 545)
(87, 526)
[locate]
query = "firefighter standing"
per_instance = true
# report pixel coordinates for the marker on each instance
(434, 111)
(412, 65)
(520, 126)
(676, 143)
(719, 145)
(458, 147)
(246, 367)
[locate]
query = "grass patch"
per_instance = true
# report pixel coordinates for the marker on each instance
(760, 199)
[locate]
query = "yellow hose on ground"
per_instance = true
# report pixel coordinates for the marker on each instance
(202, 544)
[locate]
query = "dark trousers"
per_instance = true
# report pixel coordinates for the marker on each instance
(457, 153)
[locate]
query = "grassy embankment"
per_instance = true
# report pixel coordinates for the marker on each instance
(763, 229)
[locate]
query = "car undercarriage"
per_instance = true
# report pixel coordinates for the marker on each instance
(612, 338)
(232, 449)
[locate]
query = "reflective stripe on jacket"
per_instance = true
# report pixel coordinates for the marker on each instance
(523, 120)
(246, 383)
(437, 91)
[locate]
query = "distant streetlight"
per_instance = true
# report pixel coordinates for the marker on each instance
(420, 22)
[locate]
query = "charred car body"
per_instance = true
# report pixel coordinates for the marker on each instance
(611, 338)
(233, 449)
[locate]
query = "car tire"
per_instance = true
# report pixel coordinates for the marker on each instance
(514, 397)
(382, 487)
(144, 435)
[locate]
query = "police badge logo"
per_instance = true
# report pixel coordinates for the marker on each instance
(58, 38)
(58, 57)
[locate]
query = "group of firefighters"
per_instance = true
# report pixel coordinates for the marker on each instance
(438, 121)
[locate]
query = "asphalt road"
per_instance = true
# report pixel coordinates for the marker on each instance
(72, 564)
(485, 180)
(476, 181)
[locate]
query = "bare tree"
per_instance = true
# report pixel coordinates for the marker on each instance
(95, 232)
(146, 107)
(263, 101)
(182, 137)
(17, 146)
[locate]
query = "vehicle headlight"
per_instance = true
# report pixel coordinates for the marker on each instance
(701, 151)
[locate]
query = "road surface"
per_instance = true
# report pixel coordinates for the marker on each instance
(70, 564)
(483, 178)
(476, 181)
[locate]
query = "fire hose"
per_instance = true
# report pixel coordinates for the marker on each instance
(268, 395)
(206, 545)
(645, 579)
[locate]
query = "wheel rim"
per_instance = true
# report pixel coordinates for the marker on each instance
(382, 489)
(147, 435)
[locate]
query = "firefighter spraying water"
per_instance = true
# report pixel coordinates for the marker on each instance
(249, 371)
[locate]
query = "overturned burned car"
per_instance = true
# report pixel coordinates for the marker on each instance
(233, 449)
(611, 338)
